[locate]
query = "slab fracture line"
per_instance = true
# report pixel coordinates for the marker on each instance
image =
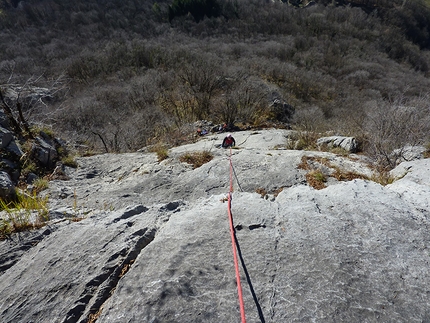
(107, 285)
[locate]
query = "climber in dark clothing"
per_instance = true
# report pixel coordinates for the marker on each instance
(228, 141)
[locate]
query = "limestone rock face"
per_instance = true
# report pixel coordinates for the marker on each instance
(154, 245)
(3, 120)
(5, 137)
(309, 255)
(7, 189)
(44, 152)
(347, 143)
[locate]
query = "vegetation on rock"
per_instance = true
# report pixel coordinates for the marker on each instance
(24, 213)
(196, 159)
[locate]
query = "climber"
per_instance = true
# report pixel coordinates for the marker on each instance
(228, 141)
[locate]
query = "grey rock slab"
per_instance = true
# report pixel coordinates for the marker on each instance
(117, 180)
(413, 183)
(348, 143)
(13, 248)
(70, 272)
(194, 282)
(353, 252)
(4, 120)
(409, 153)
(416, 171)
(266, 139)
(358, 252)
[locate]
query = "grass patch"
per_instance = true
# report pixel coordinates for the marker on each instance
(264, 194)
(383, 178)
(196, 159)
(338, 151)
(315, 176)
(69, 161)
(304, 163)
(89, 152)
(427, 152)
(161, 150)
(25, 213)
(261, 191)
(28, 167)
(42, 128)
(303, 140)
(346, 176)
(40, 184)
(316, 179)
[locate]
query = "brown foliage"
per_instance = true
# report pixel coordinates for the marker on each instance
(133, 78)
(196, 159)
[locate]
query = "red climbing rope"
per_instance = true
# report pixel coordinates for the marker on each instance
(233, 243)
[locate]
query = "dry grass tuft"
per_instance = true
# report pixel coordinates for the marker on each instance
(93, 317)
(261, 191)
(25, 213)
(70, 161)
(347, 176)
(304, 163)
(277, 191)
(161, 150)
(196, 159)
(40, 185)
(303, 140)
(383, 178)
(315, 176)
(316, 179)
(427, 152)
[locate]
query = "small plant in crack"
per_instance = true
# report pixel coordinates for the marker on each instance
(262, 191)
(316, 179)
(126, 268)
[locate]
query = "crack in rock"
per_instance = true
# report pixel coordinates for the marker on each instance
(131, 211)
(256, 226)
(100, 288)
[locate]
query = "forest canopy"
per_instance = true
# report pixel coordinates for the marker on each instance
(138, 72)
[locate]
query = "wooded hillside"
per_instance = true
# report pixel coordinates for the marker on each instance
(124, 74)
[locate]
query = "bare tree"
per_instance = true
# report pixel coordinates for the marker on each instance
(179, 104)
(393, 126)
(20, 102)
(202, 79)
(244, 100)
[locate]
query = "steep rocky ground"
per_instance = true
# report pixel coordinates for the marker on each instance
(154, 242)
